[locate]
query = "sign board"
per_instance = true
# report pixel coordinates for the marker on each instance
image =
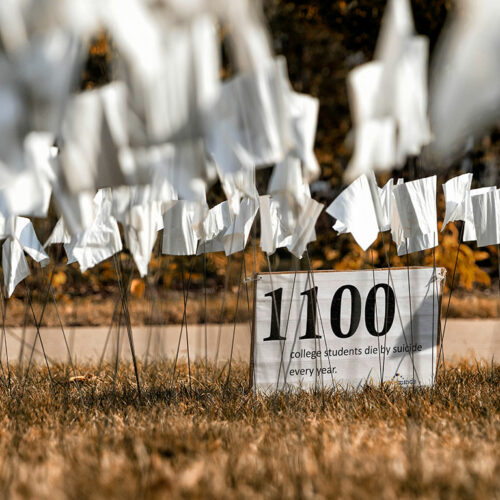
(328, 328)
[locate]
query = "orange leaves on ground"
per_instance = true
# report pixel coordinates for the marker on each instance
(59, 279)
(137, 288)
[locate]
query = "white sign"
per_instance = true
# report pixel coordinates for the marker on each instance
(329, 328)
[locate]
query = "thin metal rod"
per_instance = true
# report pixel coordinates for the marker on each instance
(37, 336)
(434, 277)
(4, 337)
(325, 340)
(40, 336)
(376, 317)
(205, 305)
(153, 293)
(223, 306)
(282, 366)
(389, 278)
(186, 325)
(66, 343)
(411, 312)
(235, 317)
(441, 343)
(128, 324)
(184, 319)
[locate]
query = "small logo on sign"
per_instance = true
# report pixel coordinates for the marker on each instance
(401, 380)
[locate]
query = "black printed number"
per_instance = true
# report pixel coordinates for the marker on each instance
(312, 308)
(275, 314)
(370, 310)
(336, 312)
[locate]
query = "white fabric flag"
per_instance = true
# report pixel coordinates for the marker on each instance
(235, 238)
(250, 41)
(469, 227)
(179, 227)
(171, 66)
(28, 192)
(416, 205)
(21, 238)
(375, 136)
(238, 144)
(58, 235)
(385, 195)
(486, 209)
(411, 99)
(289, 191)
(382, 203)
(356, 213)
(456, 191)
(267, 243)
(396, 227)
(95, 245)
(273, 234)
(465, 97)
(303, 110)
(140, 235)
(100, 241)
(251, 120)
(14, 265)
(304, 231)
(213, 228)
(39, 61)
(23, 231)
(61, 235)
(139, 210)
(238, 185)
(376, 193)
(78, 211)
(94, 132)
(396, 34)
(388, 96)
(183, 165)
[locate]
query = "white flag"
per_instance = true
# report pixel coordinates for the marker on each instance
(456, 192)
(356, 213)
(486, 208)
(416, 206)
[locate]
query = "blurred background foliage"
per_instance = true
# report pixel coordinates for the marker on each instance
(322, 41)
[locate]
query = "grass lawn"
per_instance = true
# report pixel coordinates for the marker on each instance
(96, 439)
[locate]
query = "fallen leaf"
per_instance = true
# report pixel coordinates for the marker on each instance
(137, 288)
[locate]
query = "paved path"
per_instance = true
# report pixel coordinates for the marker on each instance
(477, 339)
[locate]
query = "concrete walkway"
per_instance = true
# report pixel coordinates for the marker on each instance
(476, 339)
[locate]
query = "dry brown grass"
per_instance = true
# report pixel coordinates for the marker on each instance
(475, 306)
(96, 439)
(169, 309)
